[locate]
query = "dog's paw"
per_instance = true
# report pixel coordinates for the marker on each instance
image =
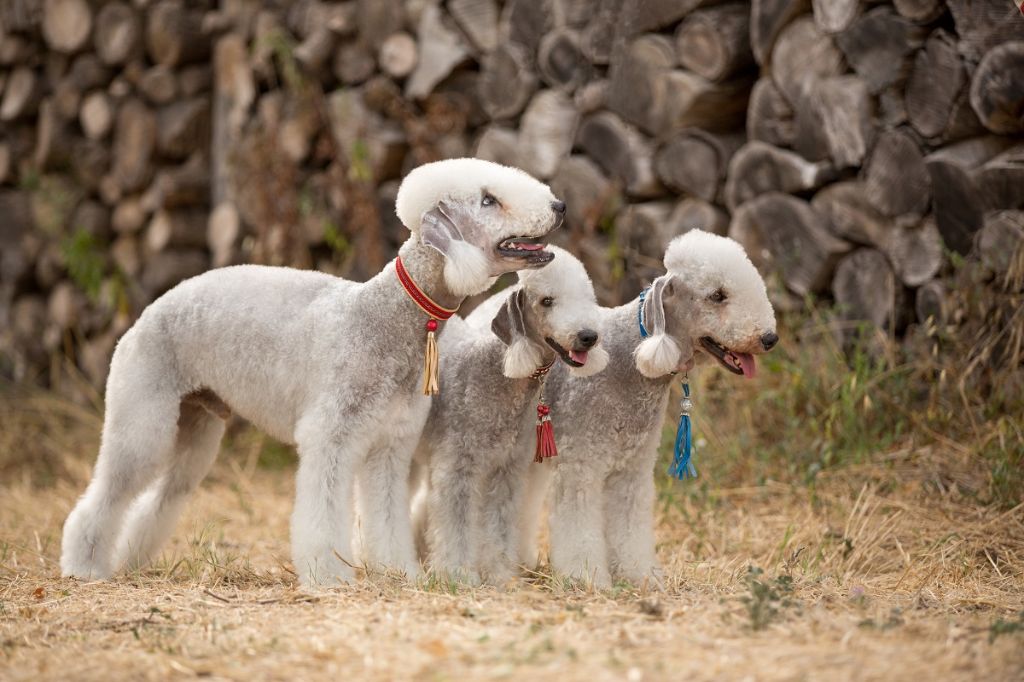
(323, 572)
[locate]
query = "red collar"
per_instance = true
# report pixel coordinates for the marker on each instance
(541, 371)
(426, 304)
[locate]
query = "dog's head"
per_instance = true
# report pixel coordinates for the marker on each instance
(554, 309)
(711, 300)
(487, 219)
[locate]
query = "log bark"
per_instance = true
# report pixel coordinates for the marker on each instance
(118, 35)
(587, 192)
(159, 85)
(697, 214)
(525, 22)
(769, 115)
(895, 177)
(915, 252)
(1000, 240)
(479, 20)
(850, 215)
(96, 116)
(714, 42)
(835, 16)
(803, 55)
(53, 140)
(695, 162)
(622, 152)
(846, 115)
(959, 202)
(134, 144)
(645, 90)
(316, 49)
(222, 233)
(176, 228)
(183, 127)
(561, 62)
(353, 63)
(591, 97)
(788, 237)
(920, 11)
(66, 24)
(5, 162)
(177, 186)
(174, 34)
(506, 81)
(643, 231)
(997, 89)
(234, 93)
(21, 94)
(879, 46)
(866, 290)
(499, 144)
(398, 55)
(129, 215)
(167, 268)
(600, 32)
(767, 19)
(441, 50)
(758, 168)
(1001, 180)
(90, 162)
(652, 15)
(937, 97)
(546, 132)
(983, 24)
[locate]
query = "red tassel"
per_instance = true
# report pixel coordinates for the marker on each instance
(545, 435)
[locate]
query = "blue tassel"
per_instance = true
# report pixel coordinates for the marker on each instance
(681, 467)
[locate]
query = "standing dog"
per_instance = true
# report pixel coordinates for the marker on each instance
(329, 365)
(710, 303)
(476, 440)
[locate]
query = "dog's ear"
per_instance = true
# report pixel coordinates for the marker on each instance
(445, 228)
(521, 357)
(659, 354)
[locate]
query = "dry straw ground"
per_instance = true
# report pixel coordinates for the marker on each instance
(883, 565)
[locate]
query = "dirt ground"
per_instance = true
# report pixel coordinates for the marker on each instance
(879, 572)
(884, 569)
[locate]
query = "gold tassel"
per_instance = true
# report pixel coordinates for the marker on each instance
(430, 364)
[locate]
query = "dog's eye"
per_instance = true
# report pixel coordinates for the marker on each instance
(488, 200)
(718, 296)
(547, 301)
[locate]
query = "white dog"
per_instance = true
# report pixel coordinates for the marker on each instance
(330, 365)
(479, 430)
(711, 302)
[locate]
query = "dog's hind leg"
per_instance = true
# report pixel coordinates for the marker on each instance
(152, 517)
(139, 432)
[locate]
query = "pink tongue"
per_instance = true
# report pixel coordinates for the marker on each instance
(529, 246)
(748, 364)
(579, 356)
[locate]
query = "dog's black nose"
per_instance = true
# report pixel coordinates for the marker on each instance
(587, 338)
(769, 340)
(558, 206)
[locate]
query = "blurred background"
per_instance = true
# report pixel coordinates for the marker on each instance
(867, 154)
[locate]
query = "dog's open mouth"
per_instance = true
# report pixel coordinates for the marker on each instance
(735, 362)
(573, 358)
(529, 249)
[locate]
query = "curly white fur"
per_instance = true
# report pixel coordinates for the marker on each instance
(330, 365)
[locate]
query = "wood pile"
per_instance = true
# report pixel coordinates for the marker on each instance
(852, 146)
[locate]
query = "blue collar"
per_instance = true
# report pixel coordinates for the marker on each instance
(640, 315)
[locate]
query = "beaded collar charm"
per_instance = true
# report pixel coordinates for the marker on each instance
(435, 313)
(681, 466)
(545, 431)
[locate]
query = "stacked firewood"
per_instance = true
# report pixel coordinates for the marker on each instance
(857, 149)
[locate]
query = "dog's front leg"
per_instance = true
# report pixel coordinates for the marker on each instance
(322, 518)
(629, 525)
(386, 531)
(577, 525)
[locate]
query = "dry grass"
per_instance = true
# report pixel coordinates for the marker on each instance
(868, 574)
